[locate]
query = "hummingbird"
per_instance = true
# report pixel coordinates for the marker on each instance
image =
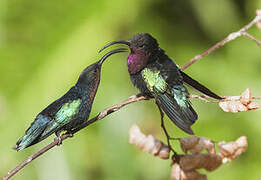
(157, 76)
(69, 111)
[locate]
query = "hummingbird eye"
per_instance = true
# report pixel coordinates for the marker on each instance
(142, 45)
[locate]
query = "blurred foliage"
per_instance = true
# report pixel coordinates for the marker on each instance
(44, 45)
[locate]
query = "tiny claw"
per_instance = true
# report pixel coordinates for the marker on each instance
(59, 140)
(58, 137)
(69, 133)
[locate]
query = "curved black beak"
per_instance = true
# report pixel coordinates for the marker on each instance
(111, 53)
(115, 42)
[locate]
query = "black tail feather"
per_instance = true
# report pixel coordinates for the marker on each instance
(196, 85)
(183, 117)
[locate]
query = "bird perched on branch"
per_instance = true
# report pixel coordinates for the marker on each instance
(69, 111)
(157, 76)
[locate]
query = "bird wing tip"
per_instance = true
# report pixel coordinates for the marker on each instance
(15, 147)
(190, 131)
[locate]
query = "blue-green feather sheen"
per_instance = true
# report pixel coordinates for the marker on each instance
(64, 115)
(180, 95)
(39, 125)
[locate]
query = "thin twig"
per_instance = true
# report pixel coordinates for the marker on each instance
(164, 128)
(229, 38)
(32, 157)
(175, 154)
(257, 97)
(252, 38)
(203, 98)
(210, 100)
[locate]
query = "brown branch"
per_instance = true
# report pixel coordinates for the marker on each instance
(229, 38)
(202, 98)
(32, 157)
(257, 97)
(252, 38)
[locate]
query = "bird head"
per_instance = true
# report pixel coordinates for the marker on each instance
(142, 46)
(139, 42)
(143, 42)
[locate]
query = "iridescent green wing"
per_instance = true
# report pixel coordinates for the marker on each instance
(62, 117)
(67, 111)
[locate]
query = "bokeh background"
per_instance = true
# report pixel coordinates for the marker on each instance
(44, 45)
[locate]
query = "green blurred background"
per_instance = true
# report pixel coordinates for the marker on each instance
(44, 45)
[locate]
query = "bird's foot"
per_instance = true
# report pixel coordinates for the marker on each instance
(59, 140)
(58, 137)
(69, 133)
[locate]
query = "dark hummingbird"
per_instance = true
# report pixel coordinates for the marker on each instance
(157, 76)
(69, 111)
